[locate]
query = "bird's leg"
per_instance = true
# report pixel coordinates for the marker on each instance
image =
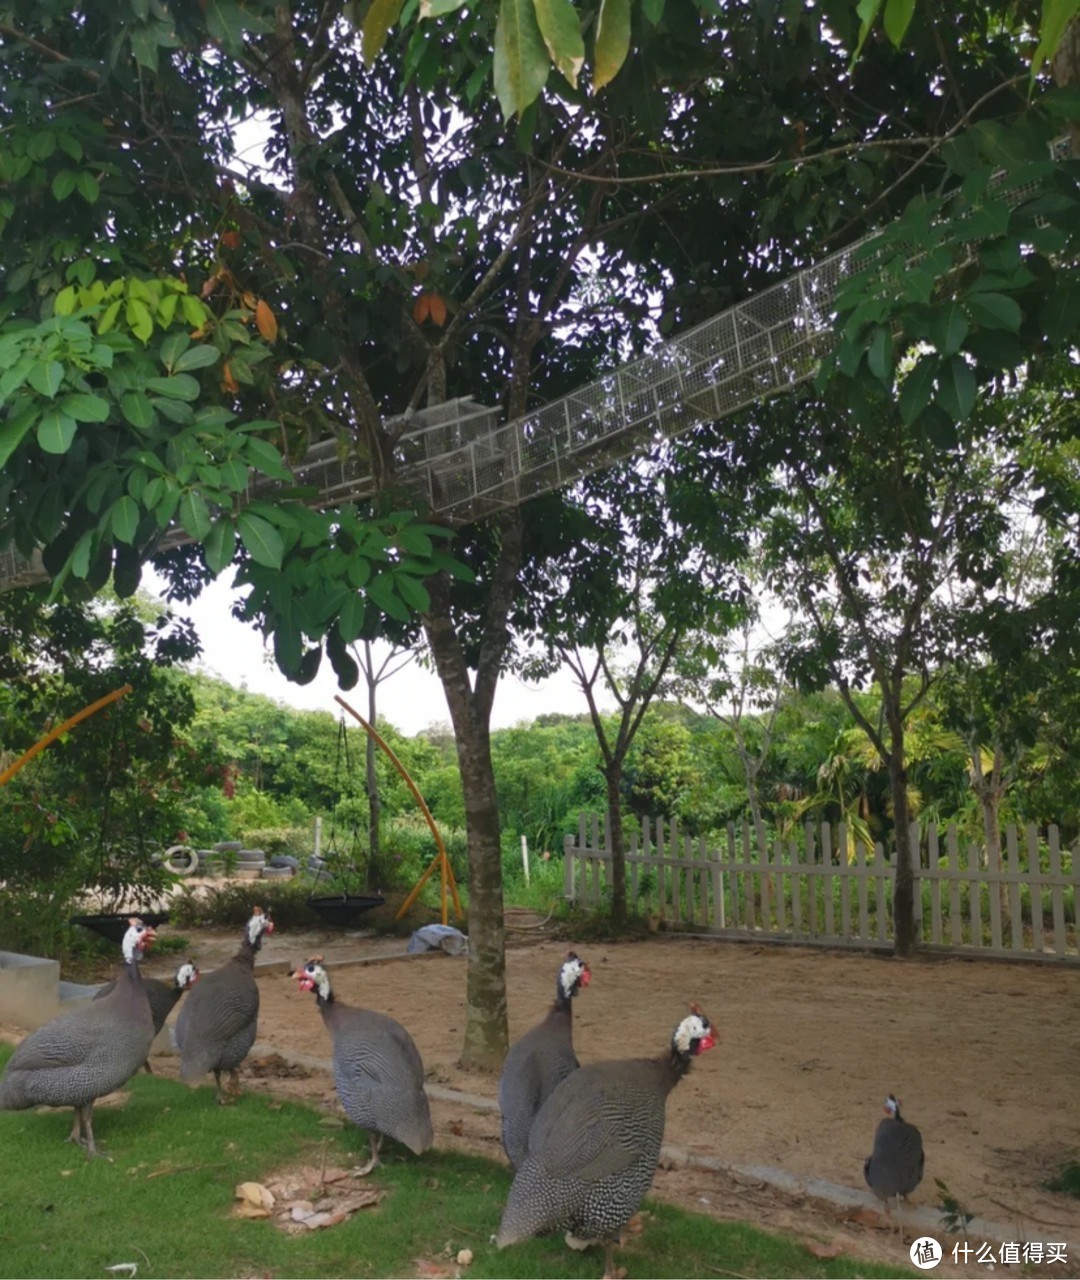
(899, 1217)
(148, 1068)
(92, 1152)
(611, 1271)
(223, 1099)
(376, 1145)
(234, 1083)
(76, 1134)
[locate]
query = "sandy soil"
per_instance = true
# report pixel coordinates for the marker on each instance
(982, 1055)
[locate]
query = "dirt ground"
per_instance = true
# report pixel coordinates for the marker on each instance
(982, 1055)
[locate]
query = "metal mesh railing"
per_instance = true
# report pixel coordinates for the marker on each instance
(466, 465)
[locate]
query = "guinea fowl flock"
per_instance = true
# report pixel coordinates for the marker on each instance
(583, 1142)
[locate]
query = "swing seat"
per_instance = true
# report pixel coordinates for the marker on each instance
(343, 910)
(115, 926)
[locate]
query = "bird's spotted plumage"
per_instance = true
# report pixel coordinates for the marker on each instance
(539, 1061)
(378, 1072)
(594, 1145)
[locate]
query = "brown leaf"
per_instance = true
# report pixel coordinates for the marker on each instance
(438, 310)
(421, 308)
(435, 1270)
(230, 239)
(266, 321)
(248, 299)
(255, 1193)
(228, 382)
(456, 1128)
(865, 1217)
(245, 1209)
(820, 1250)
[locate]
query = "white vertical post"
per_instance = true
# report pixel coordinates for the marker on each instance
(318, 835)
(525, 857)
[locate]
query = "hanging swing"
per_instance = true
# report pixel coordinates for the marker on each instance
(114, 924)
(342, 910)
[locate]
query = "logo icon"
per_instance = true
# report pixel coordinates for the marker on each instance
(925, 1253)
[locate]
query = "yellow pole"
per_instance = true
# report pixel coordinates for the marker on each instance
(441, 859)
(53, 734)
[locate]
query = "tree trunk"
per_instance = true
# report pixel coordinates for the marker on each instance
(486, 1031)
(904, 887)
(616, 844)
(374, 868)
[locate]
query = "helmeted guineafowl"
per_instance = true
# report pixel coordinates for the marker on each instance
(163, 996)
(82, 1055)
(594, 1145)
(217, 1023)
(378, 1072)
(540, 1060)
(895, 1167)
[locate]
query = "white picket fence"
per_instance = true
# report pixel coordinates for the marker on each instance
(806, 889)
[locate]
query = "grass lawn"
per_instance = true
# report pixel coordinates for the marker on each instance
(166, 1200)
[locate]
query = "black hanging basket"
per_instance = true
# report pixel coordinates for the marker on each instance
(115, 926)
(343, 910)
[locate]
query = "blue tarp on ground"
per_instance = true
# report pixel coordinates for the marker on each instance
(439, 937)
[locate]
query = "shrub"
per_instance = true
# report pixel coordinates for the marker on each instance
(274, 840)
(232, 904)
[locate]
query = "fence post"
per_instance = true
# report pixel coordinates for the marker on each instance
(1057, 889)
(568, 868)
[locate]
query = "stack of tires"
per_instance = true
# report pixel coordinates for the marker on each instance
(250, 864)
(281, 867)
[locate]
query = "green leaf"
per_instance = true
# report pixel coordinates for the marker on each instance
(288, 652)
(948, 329)
(107, 319)
(956, 389)
(380, 18)
(84, 407)
(87, 186)
(437, 8)
(124, 519)
(612, 41)
(200, 357)
(12, 432)
(137, 314)
(80, 557)
(264, 457)
(521, 60)
(234, 475)
(1060, 314)
(879, 355)
(653, 10)
(261, 540)
(1056, 16)
(917, 388)
(64, 184)
(127, 572)
(219, 545)
(137, 409)
(994, 311)
(46, 377)
(173, 347)
(561, 28)
(194, 515)
(175, 410)
(413, 592)
(351, 617)
(67, 301)
(345, 668)
(181, 386)
(381, 590)
(898, 15)
(867, 11)
(56, 431)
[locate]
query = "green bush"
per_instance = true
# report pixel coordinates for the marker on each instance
(296, 841)
(232, 904)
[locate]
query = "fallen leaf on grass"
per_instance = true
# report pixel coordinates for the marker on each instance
(433, 1270)
(824, 1250)
(256, 1194)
